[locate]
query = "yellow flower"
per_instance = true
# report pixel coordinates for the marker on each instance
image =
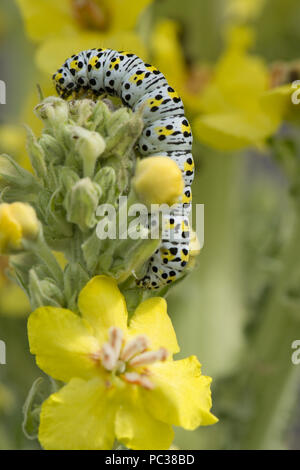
(233, 107)
(158, 180)
(243, 10)
(168, 56)
(62, 27)
(122, 382)
(17, 221)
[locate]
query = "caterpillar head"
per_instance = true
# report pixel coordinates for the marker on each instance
(63, 82)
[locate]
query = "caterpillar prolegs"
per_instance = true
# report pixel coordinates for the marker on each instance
(166, 133)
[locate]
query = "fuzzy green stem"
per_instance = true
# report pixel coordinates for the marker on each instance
(40, 248)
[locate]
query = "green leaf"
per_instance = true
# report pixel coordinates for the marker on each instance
(41, 389)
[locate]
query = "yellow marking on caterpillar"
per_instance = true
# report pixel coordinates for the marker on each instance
(93, 61)
(153, 102)
(184, 226)
(74, 65)
(184, 257)
(113, 64)
(151, 68)
(167, 254)
(58, 76)
(173, 94)
(185, 128)
(163, 131)
(186, 199)
(189, 166)
(136, 77)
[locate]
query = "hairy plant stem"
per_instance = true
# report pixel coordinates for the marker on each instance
(43, 252)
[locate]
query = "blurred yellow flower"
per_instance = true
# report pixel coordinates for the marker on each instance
(62, 27)
(243, 10)
(17, 221)
(122, 381)
(167, 55)
(234, 105)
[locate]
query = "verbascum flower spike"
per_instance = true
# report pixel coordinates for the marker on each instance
(121, 380)
(158, 180)
(18, 221)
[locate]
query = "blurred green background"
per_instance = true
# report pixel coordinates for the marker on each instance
(229, 311)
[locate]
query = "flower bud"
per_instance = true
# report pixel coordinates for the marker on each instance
(44, 291)
(53, 111)
(81, 204)
(53, 150)
(106, 179)
(17, 221)
(90, 145)
(12, 174)
(158, 180)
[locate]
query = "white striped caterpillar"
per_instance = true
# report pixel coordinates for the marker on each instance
(167, 133)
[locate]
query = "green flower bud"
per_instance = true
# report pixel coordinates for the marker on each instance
(13, 174)
(106, 179)
(53, 111)
(89, 145)
(53, 150)
(37, 156)
(81, 111)
(68, 178)
(81, 203)
(124, 128)
(44, 292)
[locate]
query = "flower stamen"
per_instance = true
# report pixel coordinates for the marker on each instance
(149, 357)
(138, 379)
(137, 345)
(116, 358)
(116, 340)
(108, 357)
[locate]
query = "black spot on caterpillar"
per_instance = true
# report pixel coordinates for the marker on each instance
(166, 133)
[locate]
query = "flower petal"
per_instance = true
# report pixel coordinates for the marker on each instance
(181, 395)
(125, 13)
(52, 53)
(136, 428)
(233, 131)
(102, 305)
(46, 18)
(78, 417)
(63, 343)
(151, 319)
